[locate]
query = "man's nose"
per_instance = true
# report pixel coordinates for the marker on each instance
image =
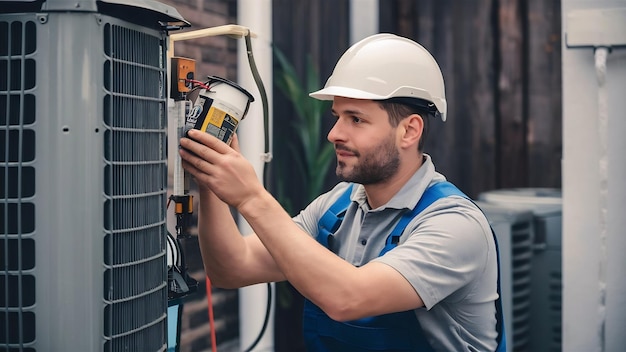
(335, 134)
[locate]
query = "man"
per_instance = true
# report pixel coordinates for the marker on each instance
(432, 288)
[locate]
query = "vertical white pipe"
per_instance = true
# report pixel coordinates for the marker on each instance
(600, 56)
(363, 19)
(256, 15)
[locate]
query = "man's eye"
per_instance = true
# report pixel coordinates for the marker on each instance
(356, 120)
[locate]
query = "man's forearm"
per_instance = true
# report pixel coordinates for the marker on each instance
(230, 259)
(316, 272)
(221, 244)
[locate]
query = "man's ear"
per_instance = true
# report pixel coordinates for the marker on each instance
(411, 129)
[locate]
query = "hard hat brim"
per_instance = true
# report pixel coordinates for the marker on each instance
(329, 93)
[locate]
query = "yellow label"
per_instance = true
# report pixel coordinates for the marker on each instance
(214, 117)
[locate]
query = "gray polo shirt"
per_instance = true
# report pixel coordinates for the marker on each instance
(446, 252)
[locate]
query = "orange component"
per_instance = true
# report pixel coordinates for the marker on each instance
(183, 71)
(190, 205)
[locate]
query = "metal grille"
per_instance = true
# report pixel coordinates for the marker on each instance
(135, 187)
(555, 300)
(521, 256)
(18, 41)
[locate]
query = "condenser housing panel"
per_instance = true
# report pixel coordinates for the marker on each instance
(83, 179)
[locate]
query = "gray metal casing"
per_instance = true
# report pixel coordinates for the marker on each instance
(99, 189)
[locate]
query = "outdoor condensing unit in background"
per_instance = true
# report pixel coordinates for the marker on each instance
(546, 278)
(514, 229)
(83, 176)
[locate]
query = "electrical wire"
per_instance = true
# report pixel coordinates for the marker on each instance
(209, 299)
(197, 83)
(261, 87)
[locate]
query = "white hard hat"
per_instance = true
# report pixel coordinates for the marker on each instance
(384, 66)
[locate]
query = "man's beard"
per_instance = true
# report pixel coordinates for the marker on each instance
(374, 168)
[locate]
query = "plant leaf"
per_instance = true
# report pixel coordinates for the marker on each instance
(309, 153)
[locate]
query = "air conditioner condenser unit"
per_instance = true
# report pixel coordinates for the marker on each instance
(514, 231)
(546, 278)
(83, 175)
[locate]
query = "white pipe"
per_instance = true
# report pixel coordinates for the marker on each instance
(600, 55)
(233, 30)
(256, 15)
(363, 19)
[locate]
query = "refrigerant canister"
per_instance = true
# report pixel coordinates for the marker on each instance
(219, 109)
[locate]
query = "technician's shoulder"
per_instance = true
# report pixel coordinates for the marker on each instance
(454, 213)
(454, 206)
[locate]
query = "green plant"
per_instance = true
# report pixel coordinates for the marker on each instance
(312, 155)
(309, 152)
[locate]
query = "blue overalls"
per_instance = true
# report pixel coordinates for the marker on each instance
(399, 331)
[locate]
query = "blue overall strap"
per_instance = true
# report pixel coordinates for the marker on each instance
(332, 218)
(431, 194)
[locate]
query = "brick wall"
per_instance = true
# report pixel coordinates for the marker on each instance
(215, 56)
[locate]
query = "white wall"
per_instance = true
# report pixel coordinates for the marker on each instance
(594, 182)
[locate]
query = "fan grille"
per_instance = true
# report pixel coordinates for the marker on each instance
(18, 40)
(135, 186)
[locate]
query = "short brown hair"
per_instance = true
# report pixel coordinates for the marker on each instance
(400, 108)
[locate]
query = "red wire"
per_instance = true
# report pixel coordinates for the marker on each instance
(211, 320)
(197, 83)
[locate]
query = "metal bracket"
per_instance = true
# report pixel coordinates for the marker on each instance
(596, 28)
